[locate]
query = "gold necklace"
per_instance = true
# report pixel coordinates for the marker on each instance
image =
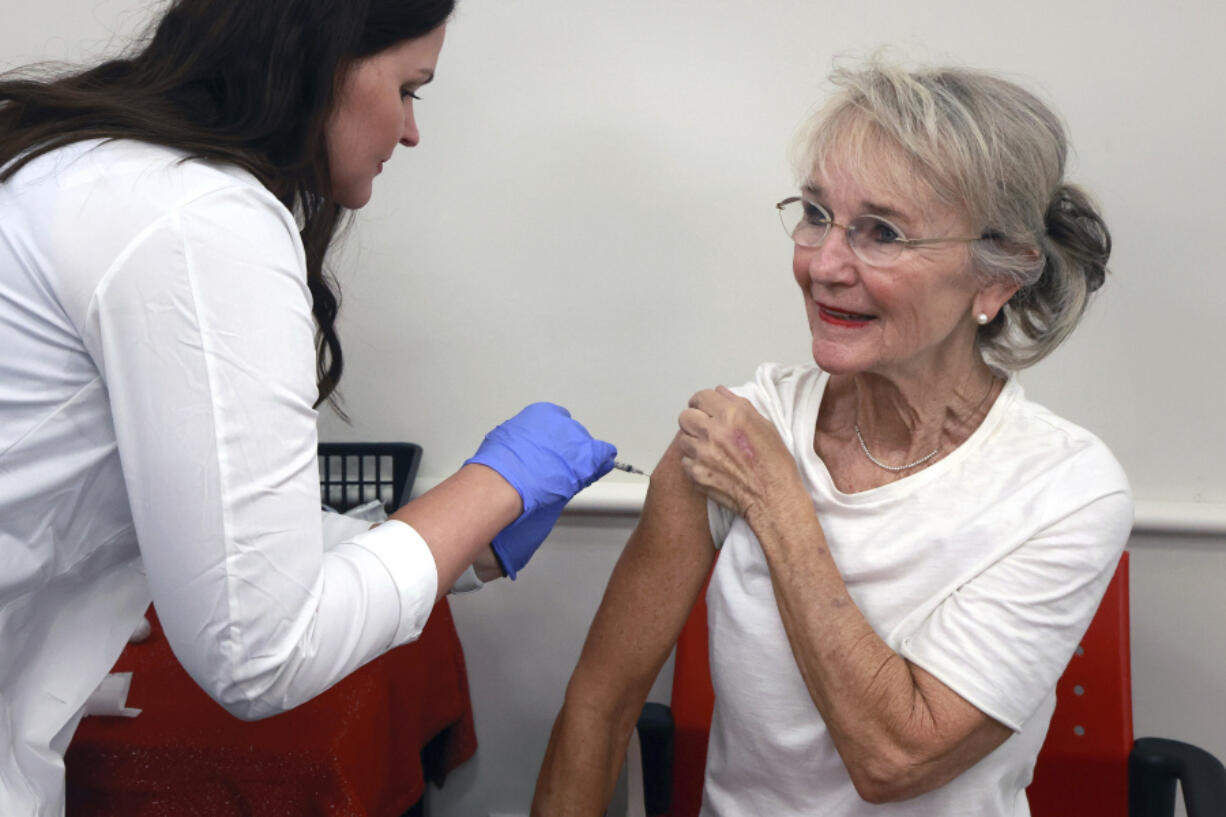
(881, 464)
(926, 457)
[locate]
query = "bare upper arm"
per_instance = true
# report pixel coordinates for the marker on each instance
(650, 592)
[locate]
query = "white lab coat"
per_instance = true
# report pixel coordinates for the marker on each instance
(157, 439)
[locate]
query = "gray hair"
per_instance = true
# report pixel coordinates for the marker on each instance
(994, 150)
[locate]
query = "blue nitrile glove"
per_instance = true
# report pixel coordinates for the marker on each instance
(544, 455)
(518, 541)
(547, 458)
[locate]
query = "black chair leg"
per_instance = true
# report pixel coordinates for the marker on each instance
(656, 733)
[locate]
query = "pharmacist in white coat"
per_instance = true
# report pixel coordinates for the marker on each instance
(167, 333)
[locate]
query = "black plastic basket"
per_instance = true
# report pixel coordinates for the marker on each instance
(351, 474)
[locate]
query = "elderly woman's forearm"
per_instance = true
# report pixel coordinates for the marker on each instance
(581, 765)
(899, 731)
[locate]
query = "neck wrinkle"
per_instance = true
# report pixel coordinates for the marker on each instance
(939, 416)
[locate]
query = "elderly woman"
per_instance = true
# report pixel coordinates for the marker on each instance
(909, 549)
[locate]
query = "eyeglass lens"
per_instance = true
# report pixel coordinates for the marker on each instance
(873, 239)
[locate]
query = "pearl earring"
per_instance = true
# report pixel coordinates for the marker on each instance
(982, 318)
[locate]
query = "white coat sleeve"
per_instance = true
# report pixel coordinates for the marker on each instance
(202, 329)
(338, 527)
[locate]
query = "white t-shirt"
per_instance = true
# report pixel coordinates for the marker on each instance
(157, 438)
(984, 569)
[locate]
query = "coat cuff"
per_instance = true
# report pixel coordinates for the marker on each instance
(407, 558)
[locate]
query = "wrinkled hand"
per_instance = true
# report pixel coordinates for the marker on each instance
(731, 452)
(547, 457)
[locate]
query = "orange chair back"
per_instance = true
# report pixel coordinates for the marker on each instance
(1082, 768)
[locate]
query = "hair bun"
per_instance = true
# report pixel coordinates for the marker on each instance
(1077, 230)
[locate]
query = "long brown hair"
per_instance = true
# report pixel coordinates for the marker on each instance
(250, 82)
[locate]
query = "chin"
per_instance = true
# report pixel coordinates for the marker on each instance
(354, 202)
(353, 197)
(837, 359)
(838, 368)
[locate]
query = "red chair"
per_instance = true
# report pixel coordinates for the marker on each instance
(1089, 766)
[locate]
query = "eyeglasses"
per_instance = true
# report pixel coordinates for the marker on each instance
(873, 239)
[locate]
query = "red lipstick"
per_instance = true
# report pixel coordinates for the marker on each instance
(839, 317)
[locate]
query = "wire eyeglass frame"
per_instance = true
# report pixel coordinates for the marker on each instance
(857, 231)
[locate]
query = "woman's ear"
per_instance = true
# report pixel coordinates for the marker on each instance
(992, 297)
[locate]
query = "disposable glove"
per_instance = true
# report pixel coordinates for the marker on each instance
(547, 458)
(518, 541)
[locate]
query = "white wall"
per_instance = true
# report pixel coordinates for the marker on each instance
(588, 220)
(1178, 634)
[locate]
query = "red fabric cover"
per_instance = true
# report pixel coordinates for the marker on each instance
(354, 751)
(1084, 775)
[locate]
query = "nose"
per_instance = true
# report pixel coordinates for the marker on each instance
(830, 263)
(410, 136)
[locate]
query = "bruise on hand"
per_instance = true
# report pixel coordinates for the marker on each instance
(741, 440)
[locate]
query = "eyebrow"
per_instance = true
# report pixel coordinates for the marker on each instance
(883, 210)
(886, 212)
